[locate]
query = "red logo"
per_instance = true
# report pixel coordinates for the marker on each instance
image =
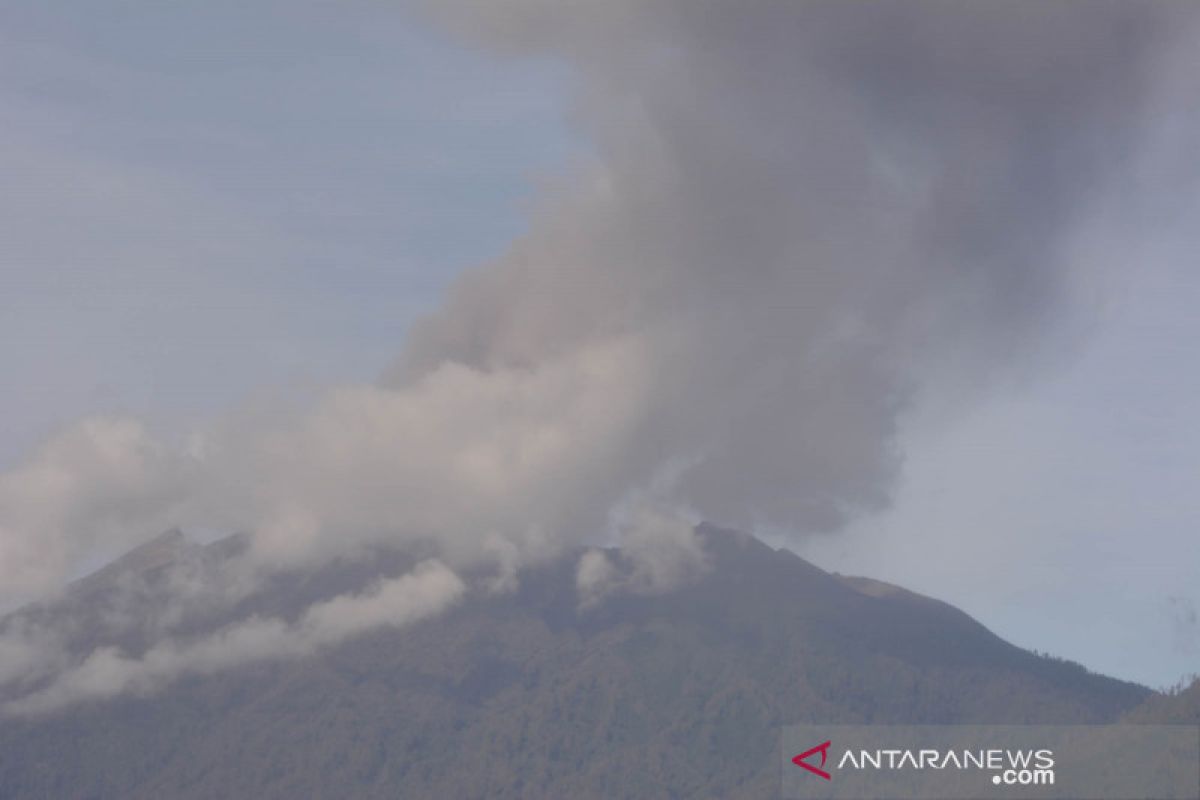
(823, 749)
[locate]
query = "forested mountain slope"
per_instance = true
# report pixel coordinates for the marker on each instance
(527, 695)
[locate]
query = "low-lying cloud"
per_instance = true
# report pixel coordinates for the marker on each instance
(397, 602)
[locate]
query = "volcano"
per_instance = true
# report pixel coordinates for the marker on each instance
(528, 693)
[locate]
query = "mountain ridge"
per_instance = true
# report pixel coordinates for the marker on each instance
(529, 694)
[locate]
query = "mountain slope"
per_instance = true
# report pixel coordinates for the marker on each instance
(1177, 707)
(527, 695)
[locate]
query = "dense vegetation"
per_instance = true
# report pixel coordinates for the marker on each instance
(680, 695)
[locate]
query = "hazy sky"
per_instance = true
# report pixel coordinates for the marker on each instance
(207, 202)
(202, 200)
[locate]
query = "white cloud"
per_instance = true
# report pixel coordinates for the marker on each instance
(106, 672)
(98, 486)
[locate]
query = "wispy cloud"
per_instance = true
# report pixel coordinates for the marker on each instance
(394, 603)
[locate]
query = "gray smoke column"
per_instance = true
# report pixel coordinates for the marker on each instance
(800, 213)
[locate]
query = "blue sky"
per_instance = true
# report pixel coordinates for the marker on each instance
(1062, 511)
(207, 201)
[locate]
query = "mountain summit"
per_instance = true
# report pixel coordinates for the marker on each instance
(531, 694)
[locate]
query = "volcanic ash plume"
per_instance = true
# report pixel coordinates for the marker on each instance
(798, 217)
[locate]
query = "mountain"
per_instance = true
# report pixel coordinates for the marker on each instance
(1178, 707)
(528, 695)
